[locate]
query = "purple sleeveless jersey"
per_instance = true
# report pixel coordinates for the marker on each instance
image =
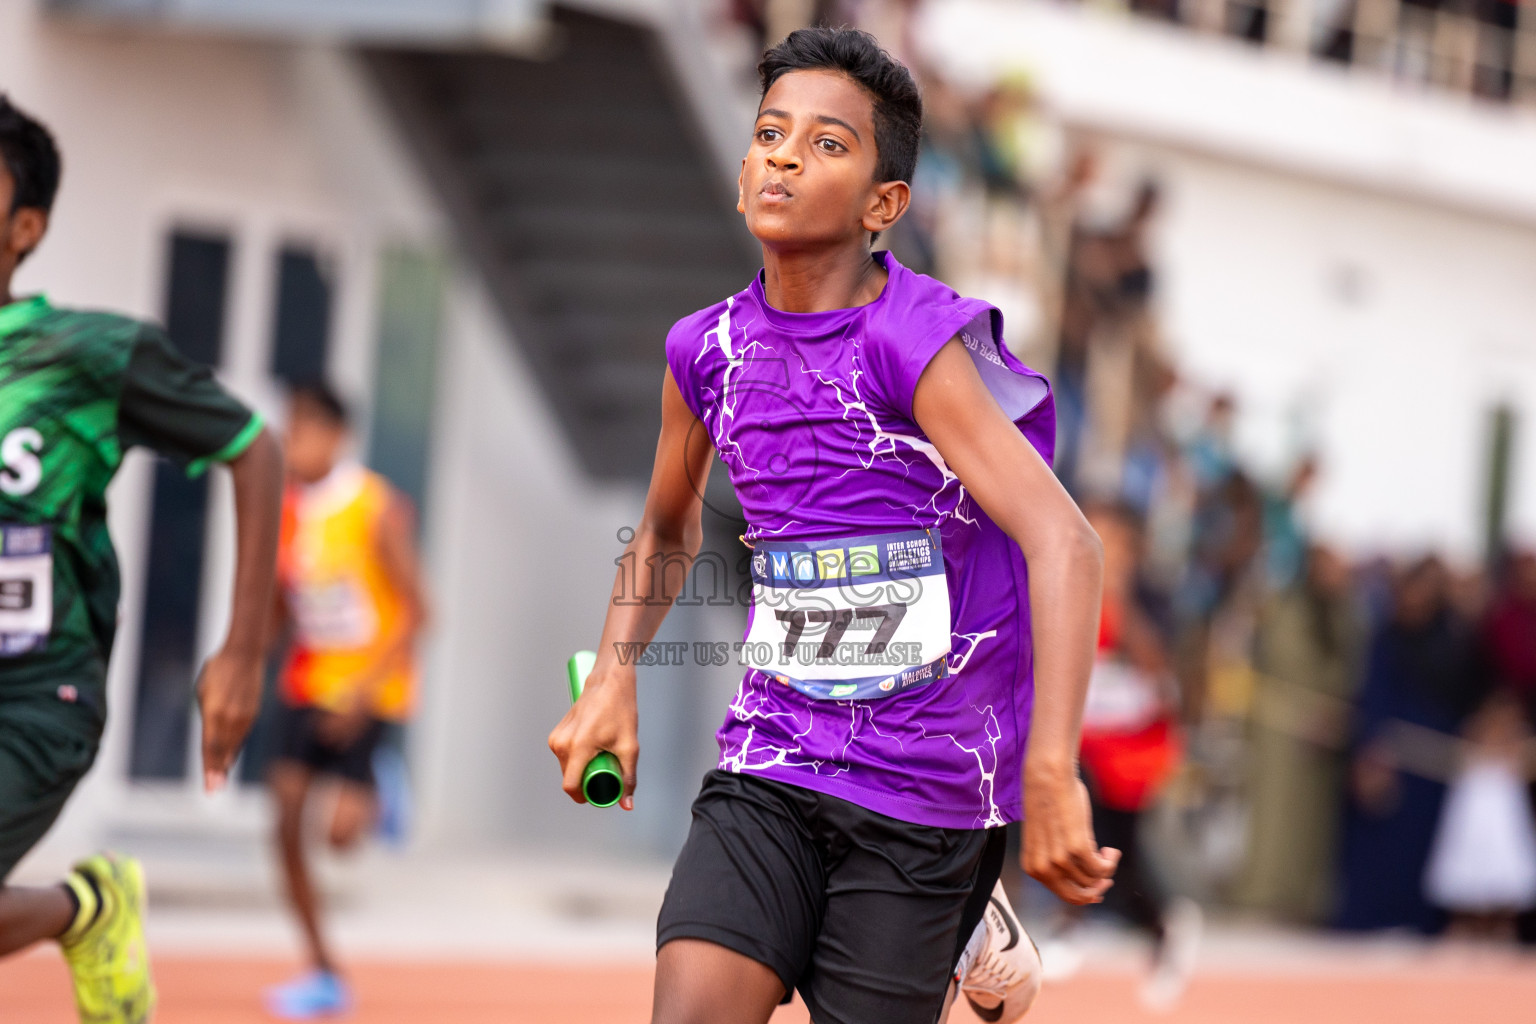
(812, 415)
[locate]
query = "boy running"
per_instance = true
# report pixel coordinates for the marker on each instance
(892, 459)
(351, 589)
(77, 390)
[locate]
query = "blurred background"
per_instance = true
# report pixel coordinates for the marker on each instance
(1277, 256)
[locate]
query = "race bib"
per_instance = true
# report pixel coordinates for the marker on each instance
(26, 588)
(334, 615)
(850, 619)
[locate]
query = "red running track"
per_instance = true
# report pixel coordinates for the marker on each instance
(226, 990)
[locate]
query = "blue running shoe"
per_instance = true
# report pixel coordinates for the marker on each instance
(310, 997)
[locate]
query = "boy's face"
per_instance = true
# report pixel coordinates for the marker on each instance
(313, 442)
(809, 177)
(20, 230)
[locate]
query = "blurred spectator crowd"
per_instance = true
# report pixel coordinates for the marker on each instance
(1318, 740)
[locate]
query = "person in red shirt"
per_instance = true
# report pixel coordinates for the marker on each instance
(1131, 747)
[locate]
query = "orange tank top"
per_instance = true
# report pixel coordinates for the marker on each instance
(341, 602)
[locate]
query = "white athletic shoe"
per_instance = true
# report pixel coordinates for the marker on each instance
(1182, 924)
(999, 972)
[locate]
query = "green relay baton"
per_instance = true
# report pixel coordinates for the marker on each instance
(602, 783)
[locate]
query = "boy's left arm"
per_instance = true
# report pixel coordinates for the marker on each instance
(1012, 483)
(229, 691)
(175, 406)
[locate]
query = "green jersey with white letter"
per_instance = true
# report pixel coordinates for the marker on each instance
(77, 390)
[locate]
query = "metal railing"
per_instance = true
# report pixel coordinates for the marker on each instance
(1479, 48)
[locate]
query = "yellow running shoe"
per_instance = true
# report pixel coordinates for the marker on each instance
(106, 952)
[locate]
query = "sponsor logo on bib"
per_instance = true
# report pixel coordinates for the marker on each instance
(864, 560)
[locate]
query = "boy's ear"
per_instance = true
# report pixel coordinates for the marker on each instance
(887, 203)
(28, 225)
(741, 187)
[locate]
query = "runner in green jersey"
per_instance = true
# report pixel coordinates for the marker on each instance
(77, 390)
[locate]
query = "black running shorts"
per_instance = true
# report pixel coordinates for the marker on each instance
(863, 914)
(299, 740)
(47, 744)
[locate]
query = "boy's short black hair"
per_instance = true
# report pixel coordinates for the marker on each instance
(30, 157)
(898, 104)
(323, 398)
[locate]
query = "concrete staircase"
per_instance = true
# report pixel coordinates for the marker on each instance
(582, 185)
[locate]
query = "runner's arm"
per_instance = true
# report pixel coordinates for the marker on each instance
(277, 623)
(606, 717)
(1011, 482)
(229, 691)
(175, 406)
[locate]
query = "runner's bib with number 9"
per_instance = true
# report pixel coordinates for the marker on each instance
(26, 588)
(850, 619)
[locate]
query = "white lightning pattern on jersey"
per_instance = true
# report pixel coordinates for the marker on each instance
(885, 442)
(750, 699)
(748, 706)
(987, 786)
(729, 449)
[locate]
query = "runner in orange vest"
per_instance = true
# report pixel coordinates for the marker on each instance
(351, 599)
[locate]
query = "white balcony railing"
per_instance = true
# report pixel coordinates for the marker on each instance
(1483, 48)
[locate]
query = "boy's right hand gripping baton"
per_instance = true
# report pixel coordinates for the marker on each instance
(602, 783)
